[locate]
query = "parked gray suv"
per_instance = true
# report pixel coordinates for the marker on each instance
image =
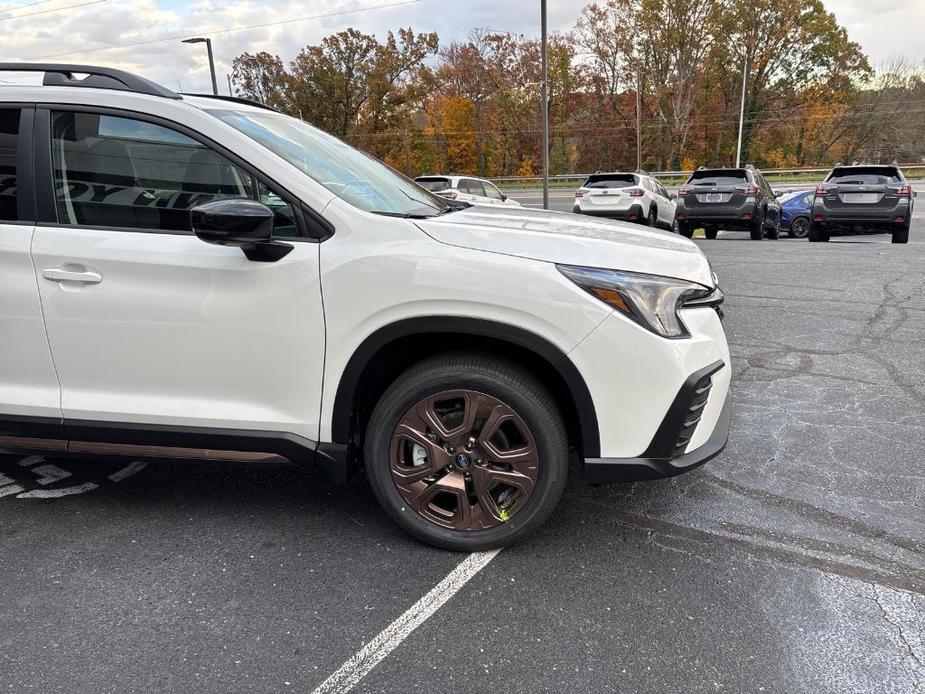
(863, 199)
(729, 199)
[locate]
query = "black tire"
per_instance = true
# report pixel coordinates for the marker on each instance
(799, 227)
(497, 378)
(901, 235)
(685, 229)
(774, 232)
(757, 227)
(652, 219)
(817, 233)
(710, 232)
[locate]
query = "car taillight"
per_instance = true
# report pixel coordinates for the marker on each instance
(448, 194)
(635, 192)
(822, 190)
(750, 190)
(904, 190)
(683, 191)
(579, 193)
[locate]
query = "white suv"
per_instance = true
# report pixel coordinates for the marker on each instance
(186, 276)
(633, 197)
(475, 191)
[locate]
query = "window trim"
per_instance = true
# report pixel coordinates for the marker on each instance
(25, 172)
(44, 187)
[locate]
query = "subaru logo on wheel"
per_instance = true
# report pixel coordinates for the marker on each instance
(462, 461)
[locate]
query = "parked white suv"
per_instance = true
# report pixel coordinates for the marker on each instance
(633, 197)
(187, 276)
(475, 191)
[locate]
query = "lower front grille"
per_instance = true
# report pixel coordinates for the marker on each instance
(693, 415)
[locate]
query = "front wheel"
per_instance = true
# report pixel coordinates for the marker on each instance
(467, 452)
(799, 228)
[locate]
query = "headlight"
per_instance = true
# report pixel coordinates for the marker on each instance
(650, 300)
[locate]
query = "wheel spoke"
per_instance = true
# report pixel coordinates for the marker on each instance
(437, 458)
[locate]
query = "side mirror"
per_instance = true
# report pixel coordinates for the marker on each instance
(672, 196)
(503, 197)
(239, 222)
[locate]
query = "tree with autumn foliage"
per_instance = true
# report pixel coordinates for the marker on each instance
(474, 106)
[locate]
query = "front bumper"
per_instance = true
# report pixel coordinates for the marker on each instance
(606, 470)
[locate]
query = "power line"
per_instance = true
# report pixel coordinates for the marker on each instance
(216, 32)
(6, 8)
(54, 9)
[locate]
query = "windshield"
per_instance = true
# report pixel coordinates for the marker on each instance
(611, 181)
(353, 176)
(434, 185)
(727, 177)
(864, 176)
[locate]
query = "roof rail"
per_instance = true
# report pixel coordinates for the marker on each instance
(62, 75)
(233, 99)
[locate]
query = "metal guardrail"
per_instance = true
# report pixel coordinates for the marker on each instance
(673, 174)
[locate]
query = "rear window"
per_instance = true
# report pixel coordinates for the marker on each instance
(865, 176)
(610, 181)
(434, 185)
(723, 177)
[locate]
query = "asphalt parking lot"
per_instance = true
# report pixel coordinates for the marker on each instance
(794, 562)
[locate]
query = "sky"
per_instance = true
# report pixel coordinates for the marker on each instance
(97, 31)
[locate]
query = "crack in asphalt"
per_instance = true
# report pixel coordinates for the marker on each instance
(913, 583)
(903, 639)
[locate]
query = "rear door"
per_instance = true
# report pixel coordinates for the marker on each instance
(30, 403)
(148, 324)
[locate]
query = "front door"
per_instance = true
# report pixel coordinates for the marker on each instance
(147, 323)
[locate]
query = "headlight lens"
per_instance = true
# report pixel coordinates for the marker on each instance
(650, 300)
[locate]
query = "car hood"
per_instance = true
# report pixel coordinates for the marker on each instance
(571, 239)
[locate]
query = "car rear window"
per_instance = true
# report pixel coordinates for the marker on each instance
(610, 181)
(867, 175)
(434, 185)
(724, 177)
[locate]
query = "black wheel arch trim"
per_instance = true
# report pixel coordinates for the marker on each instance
(342, 411)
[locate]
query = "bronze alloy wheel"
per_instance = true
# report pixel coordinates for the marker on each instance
(464, 460)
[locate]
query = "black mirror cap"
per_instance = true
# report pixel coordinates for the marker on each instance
(232, 222)
(503, 197)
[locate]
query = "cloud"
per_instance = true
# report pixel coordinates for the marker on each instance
(91, 33)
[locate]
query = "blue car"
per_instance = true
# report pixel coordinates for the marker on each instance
(795, 211)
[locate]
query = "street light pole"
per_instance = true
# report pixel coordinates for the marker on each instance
(208, 43)
(742, 111)
(545, 107)
(638, 123)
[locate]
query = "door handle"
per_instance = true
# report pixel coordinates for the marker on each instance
(83, 276)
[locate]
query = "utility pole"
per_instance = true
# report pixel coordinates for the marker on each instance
(742, 110)
(545, 98)
(208, 43)
(230, 90)
(638, 123)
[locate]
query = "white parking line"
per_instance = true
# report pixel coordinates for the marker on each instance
(368, 657)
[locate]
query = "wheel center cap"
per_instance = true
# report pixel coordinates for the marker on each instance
(462, 461)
